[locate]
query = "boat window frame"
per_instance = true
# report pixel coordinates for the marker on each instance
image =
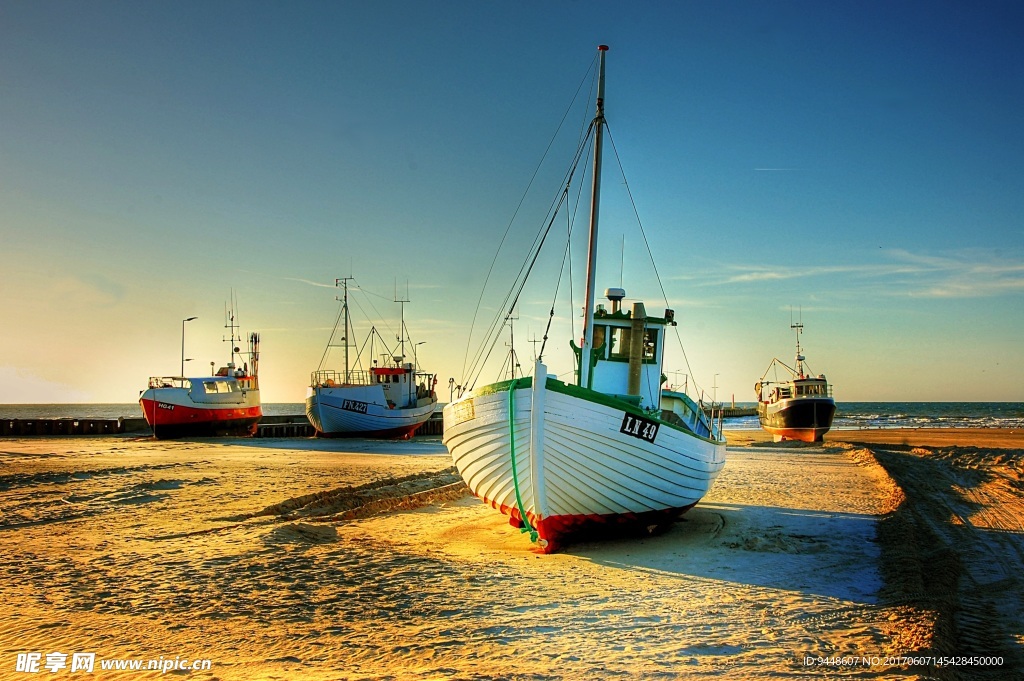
(601, 341)
(650, 341)
(221, 387)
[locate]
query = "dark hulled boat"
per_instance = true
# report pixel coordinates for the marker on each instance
(799, 408)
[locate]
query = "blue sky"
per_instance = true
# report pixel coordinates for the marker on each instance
(860, 162)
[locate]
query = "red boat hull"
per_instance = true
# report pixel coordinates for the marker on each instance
(175, 420)
(799, 434)
(555, 532)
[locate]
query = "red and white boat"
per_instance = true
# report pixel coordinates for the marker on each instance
(226, 403)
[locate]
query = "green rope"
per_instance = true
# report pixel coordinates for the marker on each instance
(527, 527)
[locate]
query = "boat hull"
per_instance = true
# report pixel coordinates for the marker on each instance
(586, 465)
(171, 413)
(362, 411)
(805, 419)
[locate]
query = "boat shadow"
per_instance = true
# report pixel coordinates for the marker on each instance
(825, 554)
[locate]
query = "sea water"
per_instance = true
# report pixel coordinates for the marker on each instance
(849, 415)
(860, 415)
(113, 411)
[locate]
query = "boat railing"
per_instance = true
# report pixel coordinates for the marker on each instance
(156, 382)
(714, 421)
(704, 420)
(331, 379)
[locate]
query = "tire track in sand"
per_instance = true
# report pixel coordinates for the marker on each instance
(954, 547)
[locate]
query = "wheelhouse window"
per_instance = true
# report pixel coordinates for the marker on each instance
(620, 344)
(600, 336)
(650, 345)
(213, 387)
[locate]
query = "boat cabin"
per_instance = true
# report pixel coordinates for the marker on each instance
(241, 377)
(218, 390)
(628, 352)
(403, 386)
(807, 386)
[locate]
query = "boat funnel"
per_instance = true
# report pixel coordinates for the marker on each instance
(636, 348)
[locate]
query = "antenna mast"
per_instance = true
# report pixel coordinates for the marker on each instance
(513, 359)
(799, 326)
(229, 323)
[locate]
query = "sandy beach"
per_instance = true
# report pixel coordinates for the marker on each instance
(311, 559)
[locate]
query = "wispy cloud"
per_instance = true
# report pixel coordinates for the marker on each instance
(89, 290)
(967, 274)
(307, 281)
(964, 274)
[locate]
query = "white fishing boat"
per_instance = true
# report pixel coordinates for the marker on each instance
(390, 400)
(224, 403)
(608, 453)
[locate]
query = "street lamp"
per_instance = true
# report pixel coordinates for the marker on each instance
(183, 344)
(714, 387)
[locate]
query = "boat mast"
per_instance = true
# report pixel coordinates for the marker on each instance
(401, 337)
(344, 309)
(588, 305)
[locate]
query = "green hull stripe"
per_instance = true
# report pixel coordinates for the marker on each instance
(527, 527)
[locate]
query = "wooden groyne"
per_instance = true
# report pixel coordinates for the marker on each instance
(299, 426)
(284, 426)
(66, 426)
(269, 426)
(732, 412)
(435, 426)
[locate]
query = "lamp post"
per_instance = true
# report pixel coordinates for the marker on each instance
(183, 344)
(714, 387)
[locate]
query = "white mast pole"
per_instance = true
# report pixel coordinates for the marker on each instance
(588, 309)
(344, 307)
